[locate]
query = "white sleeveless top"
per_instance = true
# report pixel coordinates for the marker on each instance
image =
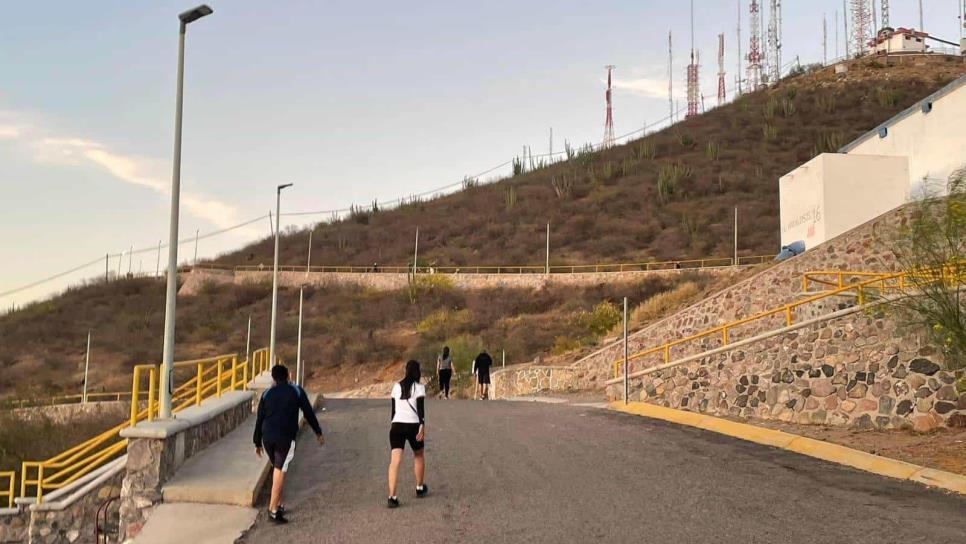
(406, 408)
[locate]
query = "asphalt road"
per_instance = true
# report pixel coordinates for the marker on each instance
(534, 472)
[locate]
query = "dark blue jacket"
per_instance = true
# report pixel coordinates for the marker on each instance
(278, 414)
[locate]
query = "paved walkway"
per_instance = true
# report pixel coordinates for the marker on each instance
(542, 472)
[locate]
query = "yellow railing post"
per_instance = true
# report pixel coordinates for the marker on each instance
(151, 381)
(218, 378)
(724, 336)
(199, 381)
(788, 315)
(245, 376)
(667, 353)
(135, 394)
(234, 371)
(40, 483)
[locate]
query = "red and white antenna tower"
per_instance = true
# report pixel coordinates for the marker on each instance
(694, 95)
(775, 41)
(721, 70)
(754, 53)
(884, 12)
(609, 120)
(738, 41)
(860, 25)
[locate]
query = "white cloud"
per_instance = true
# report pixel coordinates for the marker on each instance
(153, 174)
(648, 87)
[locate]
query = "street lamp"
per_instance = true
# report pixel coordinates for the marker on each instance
(278, 212)
(167, 358)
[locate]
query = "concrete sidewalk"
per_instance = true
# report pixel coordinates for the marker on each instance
(196, 523)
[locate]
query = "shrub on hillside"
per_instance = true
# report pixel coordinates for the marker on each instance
(601, 319)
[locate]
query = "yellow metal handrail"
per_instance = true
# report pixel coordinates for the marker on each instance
(7, 491)
(876, 281)
(512, 269)
(210, 377)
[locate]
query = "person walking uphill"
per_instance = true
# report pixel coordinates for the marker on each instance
(444, 369)
(481, 367)
(276, 427)
(408, 424)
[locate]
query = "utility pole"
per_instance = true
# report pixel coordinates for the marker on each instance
(271, 223)
(278, 213)
(196, 246)
(551, 143)
(107, 274)
(547, 266)
(416, 252)
(130, 259)
(248, 342)
(87, 365)
(120, 260)
(625, 351)
(308, 264)
(922, 27)
(298, 350)
(670, 81)
(736, 235)
(738, 73)
(836, 19)
(824, 41)
(157, 267)
(167, 357)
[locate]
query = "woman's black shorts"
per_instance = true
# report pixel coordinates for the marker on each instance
(400, 433)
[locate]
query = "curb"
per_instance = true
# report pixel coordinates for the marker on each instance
(819, 449)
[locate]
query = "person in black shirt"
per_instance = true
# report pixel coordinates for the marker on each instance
(481, 367)
(276, 427)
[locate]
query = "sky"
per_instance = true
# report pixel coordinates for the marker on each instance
(350, 101)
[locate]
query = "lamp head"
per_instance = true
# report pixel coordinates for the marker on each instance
(287, 185)
(195, 13)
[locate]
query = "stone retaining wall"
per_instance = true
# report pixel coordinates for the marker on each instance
(14, 527)
(387, 281)
(75, 524)
(861, 249)
(151, 462)
(528, 379)
(857, 370)
(65, 413)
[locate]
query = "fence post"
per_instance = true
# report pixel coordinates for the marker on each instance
(151, 375)
(625, 350)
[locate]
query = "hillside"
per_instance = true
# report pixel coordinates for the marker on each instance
(667, 196)
(670, 195)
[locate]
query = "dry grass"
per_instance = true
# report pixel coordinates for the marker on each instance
(663, 304)
(40, 438)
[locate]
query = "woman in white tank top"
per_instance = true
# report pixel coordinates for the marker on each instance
(407, 424)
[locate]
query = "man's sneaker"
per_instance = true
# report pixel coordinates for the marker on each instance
(393, 502)
(277, 517)
(422, 490)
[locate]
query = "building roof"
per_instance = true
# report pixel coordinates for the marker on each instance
(953, 86)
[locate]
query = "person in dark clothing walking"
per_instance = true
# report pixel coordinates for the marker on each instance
(408, 424)
(276, 427)
(481, 367)
(444, 369)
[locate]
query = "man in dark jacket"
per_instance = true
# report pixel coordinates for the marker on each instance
(276, 427)
(481, 367)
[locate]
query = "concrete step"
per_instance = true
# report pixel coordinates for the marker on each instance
(196, 523)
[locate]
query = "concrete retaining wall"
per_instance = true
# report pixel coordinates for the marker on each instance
(858, 370)
(65, 413)
(195, 279)
(529, 379)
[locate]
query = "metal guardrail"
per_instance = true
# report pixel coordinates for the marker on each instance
(875, 282)
(69, 399)
(7, 491)
(208, 378)
(646, 266)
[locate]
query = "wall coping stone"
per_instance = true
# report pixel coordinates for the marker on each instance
(80, 487)
(189, 417)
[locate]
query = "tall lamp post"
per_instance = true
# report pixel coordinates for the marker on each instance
(278, 212)
(167, 360)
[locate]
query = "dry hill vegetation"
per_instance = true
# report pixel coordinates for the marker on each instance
(670, 195)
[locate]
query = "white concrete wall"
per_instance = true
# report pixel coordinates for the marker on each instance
(834, 193)
(859, 188)
(802, 204)
(934, 142)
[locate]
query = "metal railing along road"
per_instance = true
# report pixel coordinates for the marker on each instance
(202, 379)
(873, 284)
(646, 266)
(69, 399)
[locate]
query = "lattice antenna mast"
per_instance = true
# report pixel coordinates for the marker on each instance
(845, 28)
(609, 120)
(738, 41)
(775, 41)
(754, 54)
(860, 25)
(670, 80)
(694, 95)
(721, 70)
(884, 12)
(824, 41)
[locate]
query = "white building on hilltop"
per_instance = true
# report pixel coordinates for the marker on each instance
(908, 156)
